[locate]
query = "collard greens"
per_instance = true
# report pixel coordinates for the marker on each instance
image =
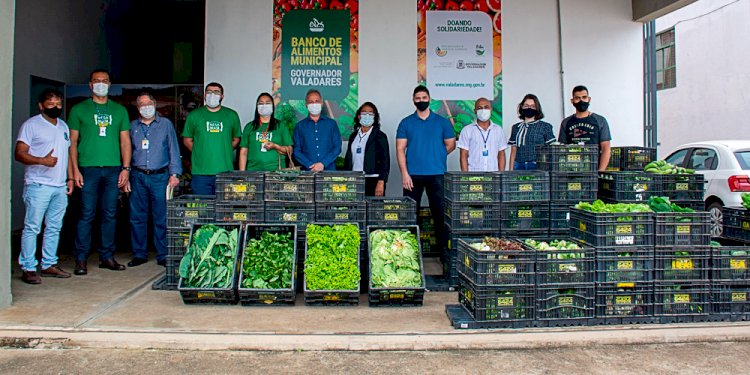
(394, 259)
(209, 261)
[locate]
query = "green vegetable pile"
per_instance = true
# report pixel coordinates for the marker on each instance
(557, 245)
(662, 167)
(746, 200)
(209, 261)
(394, 259)
(332, 257)
(600, 207)
(662, 204)
(268, 262)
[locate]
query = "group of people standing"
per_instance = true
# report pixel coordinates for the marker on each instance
(102, 153)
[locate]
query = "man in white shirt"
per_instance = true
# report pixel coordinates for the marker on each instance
(482, 144)
(42, 146)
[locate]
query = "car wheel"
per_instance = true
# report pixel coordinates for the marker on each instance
(717, 217)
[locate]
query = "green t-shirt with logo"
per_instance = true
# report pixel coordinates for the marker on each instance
(99, 127)
(212, 134)
(253, 140)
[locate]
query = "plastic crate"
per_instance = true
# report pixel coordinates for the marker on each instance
(625, 264)
(568, 158)
(331, 297)
(728, 298)
(177, 241)
(683, 228)
(682, 187)
(394, 296)
(493, 268)
(240, 187)
(524, 186)
(682, 263)
(467, 235)
(186, 210)
(474, 215)
(559, 218)
(681, 298)
(524, 218)
(254, 296)
(736, 223)
(240, 213)
(391, 211)
(564, 266)
(339, 186)
(629, 187)
(695, 205)
(573, 187)
(624, 299)
(730, 263)
(289, 187)
(507, 303)
(172, 272)
(290, 213)
(573, 301)
(630, 158)
(472, 186)
(341, 212)
(424, 219)
(606, 230)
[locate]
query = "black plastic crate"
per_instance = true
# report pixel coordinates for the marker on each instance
(507, 303)
(475, 215)
(290, 213)
(568, 158)
(177, 241)
(625, 264)
(573, 187)
(341, 212)
(573, 301)
(605, 230)
(730, 263)
(240, 187)
(559, 218)
(681, 298)
(394, 296)
(736, 223)
(332, 297)
(493, 268)
(291, 186)
(472, 186)
(391, 211)
(172, 272)
(467, 235)
(564, 266)
(630, 158)
(682, 263)
(240, 213)
(524, 218)
(682, 187)
(524, 186)
(624, 299)
(186, 210)
(683, 228)
(339, 186)
(629, 186)
(696, 205)
(254, 296)
(730, 298)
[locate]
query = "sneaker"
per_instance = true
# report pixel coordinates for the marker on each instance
(55, 271)
(31, 277)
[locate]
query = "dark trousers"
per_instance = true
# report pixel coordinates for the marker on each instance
(524, 166)
(203, 184)
(148, 191)
(433, 184)
(99, 191)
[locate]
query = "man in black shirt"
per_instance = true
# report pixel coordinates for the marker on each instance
(586, 127)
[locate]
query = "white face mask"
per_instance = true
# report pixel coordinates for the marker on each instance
(366, 119)
(213, 100)
(265, 109)
(101, 89)
(147, 111)
(484, 114)
(314, 108)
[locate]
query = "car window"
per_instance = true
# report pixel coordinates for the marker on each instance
(703, 159)
(677, 158)
(743, 157)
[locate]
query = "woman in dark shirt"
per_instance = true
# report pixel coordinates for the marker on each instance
(368, 150)
(527, 134)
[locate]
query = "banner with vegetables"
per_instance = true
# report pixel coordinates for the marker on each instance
(315, 46)
(457, 57)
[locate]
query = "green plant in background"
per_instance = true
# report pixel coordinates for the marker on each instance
(209, 261)
(332, 257)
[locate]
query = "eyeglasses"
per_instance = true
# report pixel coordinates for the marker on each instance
(217, 92)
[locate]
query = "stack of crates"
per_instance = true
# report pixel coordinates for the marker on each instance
(182, 213)
(524, 207)
(496, 286)
(630, 158)
(736, 224)
(730, 282)
(239, 197)
(290, 199)
(427, 238)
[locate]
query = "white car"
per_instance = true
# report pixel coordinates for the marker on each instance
(726, 167)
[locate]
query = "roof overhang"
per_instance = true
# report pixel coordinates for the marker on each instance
(649, 10)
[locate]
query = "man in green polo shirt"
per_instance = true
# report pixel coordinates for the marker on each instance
(211, 133)
(100, 153)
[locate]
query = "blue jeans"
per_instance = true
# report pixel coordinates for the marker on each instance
(203, 185)
(524, 166)
(46, 203)
(148, 191)
(99, 189)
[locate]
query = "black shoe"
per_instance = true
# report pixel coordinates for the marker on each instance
(162, 262)
(137, 262)
(111, 264)
(81, 268)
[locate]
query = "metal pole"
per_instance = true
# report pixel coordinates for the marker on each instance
(650, 114)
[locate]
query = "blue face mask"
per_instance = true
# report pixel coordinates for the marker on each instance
(366, 119)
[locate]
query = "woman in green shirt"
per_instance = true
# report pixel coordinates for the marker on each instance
(264, 139)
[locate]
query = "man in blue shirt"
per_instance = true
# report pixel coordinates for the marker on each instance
(156, 164)
(317, 140)
(423, 141)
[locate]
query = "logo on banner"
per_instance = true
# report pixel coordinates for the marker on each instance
(479, 50)
(440, 52)
(317, 26)
(460, 64)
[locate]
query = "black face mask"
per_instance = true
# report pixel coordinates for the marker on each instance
(529, 112)
(53, 112)
(421, 106)
(581, 106)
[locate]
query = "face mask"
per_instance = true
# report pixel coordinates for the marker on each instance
(529, 112)
(101, 89)
(366, 119)
(265, 109)
(213, 100)
(53, 112)
(147, 111)
(314, 108)
(581, 106)
(484, 114)
(421, 106)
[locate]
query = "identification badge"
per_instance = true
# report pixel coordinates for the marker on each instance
(144, 144)
(486, 153)
(263, 147)
(102, 131)
(359, 150)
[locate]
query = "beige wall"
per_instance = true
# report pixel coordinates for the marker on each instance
(7, 18)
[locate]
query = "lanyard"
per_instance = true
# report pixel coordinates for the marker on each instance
(98, 107)
(484, 139)
(361, 136)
